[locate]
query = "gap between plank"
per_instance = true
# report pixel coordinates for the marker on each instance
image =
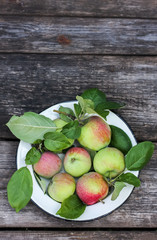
(79, 229)
(74, 16)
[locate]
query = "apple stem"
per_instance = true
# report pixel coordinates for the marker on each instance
(100, 200)
(73, 160)
(66, 114)
(113, 180)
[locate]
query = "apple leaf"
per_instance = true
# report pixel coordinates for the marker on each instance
(37, 142)
(42, 182)
(120, 140)
(72, 130)
(32, 156)
(20, 188)
(85, 104)
(30, 126)
(77, 109)
(56, 141)
(102, 113)
(95, 95)
(139, 155)
(72, 207)
(68, 111)
(118, 186)
(109, 105)
(130, 179)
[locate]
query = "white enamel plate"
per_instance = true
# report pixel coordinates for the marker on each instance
(94, 211)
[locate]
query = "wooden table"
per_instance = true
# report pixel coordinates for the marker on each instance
(49, 52)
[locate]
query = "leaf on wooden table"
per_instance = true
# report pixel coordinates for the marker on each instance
(20, 188)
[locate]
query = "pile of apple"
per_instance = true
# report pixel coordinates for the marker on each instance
(82, 174)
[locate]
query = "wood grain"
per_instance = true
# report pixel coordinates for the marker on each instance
(76, 235)
(95, 8)
(83, 35)
(35, 82)
(139, 211)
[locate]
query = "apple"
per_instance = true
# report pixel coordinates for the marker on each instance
(48, 165)
(109, 162)
(77, 161)
(60, 124)
(91, 188)
(95, 134)
(61, 187)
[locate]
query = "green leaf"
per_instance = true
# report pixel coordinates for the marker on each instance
(56, 141)
(38, 141)
(42, 182)
(120, 140)
(68, 111)
(20, 188)
(77, 109)
(85, 104)
(139, 155)
(90, 111)
(108, 105)
(71, 208)
(95, 95)
(118, 186)
(88, 107)
(72, 130)
(30, 126)
(32, 156)
(130, 179)
(102, 112)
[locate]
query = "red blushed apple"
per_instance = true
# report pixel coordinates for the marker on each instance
(48, 165)
(91, 188)
(77, 161)
(95, 134)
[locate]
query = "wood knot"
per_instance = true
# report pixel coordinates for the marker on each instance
(63, 40)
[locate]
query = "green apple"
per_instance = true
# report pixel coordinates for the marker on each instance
(109, 162)
(95, 134)
(91, 188)
(61, 187)
(77, 161)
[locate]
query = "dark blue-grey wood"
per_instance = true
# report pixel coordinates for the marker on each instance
(112, 36)
(94, 8)
(35, 82)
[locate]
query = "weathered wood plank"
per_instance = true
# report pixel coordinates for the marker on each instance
(78, 35)
(76, 235)
(139, 210)
(96, 8)
(35, 82)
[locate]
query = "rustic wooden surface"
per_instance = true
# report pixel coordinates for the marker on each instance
(81, 35)
(78, 235)
(49, 52)
(34, 83)
(96, 8)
